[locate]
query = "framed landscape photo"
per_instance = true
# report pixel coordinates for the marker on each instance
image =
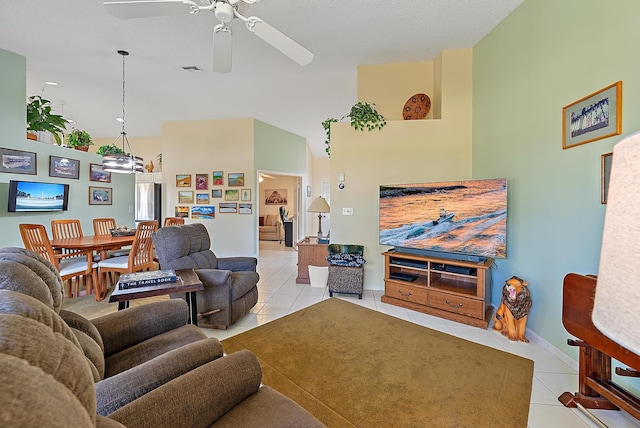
(227, 207)
(605, 172)
(185, 196)
(183, 180)
(245, 208)
(218, 178)
(100, 195)
(245, 195)
(96, 173)
(64, 167)
(202, 198)
(596, 116)
(216, 193)
(18, 161)
(203, 212)
(236, 179)
(182, 211)
(231, 195)
(202, 181)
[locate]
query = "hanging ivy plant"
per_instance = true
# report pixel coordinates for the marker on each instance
(362, 115)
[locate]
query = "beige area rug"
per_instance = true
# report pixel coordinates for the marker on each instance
(351, 366)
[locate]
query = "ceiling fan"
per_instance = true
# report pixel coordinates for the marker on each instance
(225, 11)
(262, 176)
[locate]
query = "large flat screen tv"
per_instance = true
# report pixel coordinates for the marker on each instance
(464, 220)
(28, 196)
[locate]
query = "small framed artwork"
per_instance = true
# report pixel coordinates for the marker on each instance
(64, 167)
(218, 178)
(245, 208)
(231, 195)
(216, 193)
(207, 213)
(596, 116)
(236, 178)
(96, 173)
(245, 195)
(308, 191)
(227, 207)
(202, 198)
(185, 196)
(183, 180)
(18, 161)
(100, 195)
(202, 181)
(605, 172)
(275, 197)
(182, 211)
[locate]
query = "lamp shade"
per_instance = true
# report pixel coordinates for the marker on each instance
(320, 205)
(615, 309)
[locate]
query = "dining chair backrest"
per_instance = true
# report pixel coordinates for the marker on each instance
(103, 226)
(141, 254)
(34, 237)
(172, 221)
(63, 229)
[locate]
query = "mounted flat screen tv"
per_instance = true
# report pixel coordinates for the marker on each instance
(463, 220)
(29, 196)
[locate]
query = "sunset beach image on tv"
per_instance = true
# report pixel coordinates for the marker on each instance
(465, 217)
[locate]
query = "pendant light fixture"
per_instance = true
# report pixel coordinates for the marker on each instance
(126, 162)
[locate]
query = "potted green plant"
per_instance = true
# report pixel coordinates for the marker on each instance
(109, 149)
(363, 115)
(40, 118)
(79, 140)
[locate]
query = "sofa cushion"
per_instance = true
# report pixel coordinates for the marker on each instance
(271, 220)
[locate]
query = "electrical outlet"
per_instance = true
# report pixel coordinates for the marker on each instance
(130, 208)
(347, 211)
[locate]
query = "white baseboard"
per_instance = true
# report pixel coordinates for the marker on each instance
(552, 349)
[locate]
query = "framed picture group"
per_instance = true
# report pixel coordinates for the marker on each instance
(196, 204)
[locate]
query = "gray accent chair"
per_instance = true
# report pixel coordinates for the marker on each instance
(230, 284)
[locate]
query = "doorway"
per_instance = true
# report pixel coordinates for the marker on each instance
(278, 192)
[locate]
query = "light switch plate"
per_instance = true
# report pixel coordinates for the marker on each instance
(347, 211)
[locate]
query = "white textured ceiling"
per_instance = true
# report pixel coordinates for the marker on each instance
(74, 43)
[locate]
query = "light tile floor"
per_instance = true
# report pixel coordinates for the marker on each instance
(279, 295)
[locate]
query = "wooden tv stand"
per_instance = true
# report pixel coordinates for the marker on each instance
(456, 290)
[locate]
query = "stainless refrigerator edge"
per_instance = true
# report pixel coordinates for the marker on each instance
(148, 202)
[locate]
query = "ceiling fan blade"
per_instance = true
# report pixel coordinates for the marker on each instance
(222, 48)
(278, 40)
(147, 8)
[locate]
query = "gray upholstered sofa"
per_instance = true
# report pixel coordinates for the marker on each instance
(48, 377)
(230, 283)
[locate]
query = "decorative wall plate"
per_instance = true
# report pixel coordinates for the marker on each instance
(416, 107)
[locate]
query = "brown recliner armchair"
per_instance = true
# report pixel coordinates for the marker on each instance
(230, 283)
(48, 380)
(129, 352)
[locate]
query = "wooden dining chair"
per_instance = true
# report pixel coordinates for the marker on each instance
(70, 266)
(172, 221)
(103, 227)
(64, 229)
(140, 257)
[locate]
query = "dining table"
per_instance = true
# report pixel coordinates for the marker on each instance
(100, 244)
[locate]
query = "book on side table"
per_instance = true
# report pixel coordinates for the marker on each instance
(142, 279)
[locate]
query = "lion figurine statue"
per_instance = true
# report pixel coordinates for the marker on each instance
(511, 316)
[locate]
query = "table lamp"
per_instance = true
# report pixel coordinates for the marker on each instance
(320, 206)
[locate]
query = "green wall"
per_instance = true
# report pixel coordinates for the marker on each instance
(13, 135)
(545, 55)
(278, 150)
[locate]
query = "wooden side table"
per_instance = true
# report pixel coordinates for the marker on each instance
(188, 283)
(310, 253)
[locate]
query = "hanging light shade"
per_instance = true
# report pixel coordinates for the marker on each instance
(123, 163)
